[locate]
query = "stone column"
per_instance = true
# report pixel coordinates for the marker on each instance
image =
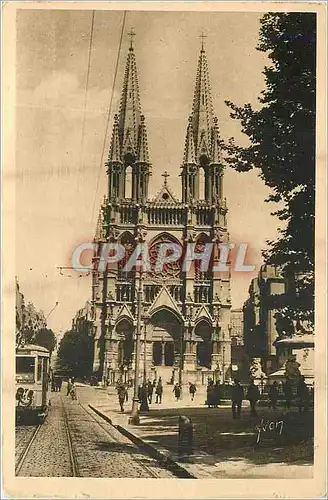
(163, 353)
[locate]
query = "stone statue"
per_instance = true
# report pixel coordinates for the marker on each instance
(255, 369)
(292, 369)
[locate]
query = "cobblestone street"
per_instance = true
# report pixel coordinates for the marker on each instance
(73, 441)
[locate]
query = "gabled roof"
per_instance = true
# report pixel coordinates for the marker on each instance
(164, 195)
(125, 313)
(164, 299)
(203, 313)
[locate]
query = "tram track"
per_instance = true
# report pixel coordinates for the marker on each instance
(151, 472)
(74, 465)
(25, 451)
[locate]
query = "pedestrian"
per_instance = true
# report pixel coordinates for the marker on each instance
(303, 395)
(253, 395)
(122, 395)
(237, 396)
(159, 391)
(192, 390)
(73, 392)
(143, 397)
(273, 395)
(150, 388)
(177, 391)
(216, 394)
(53, 384)
(288, 392)
(69, 386)
(210, 398)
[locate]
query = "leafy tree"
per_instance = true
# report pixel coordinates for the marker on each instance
(76, 352)
(282, 146)
(45, 338)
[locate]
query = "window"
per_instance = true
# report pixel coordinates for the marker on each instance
(25, 369)
(39, 371)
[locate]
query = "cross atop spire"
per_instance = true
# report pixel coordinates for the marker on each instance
(202, 36)
(165, 175)
(131, 34)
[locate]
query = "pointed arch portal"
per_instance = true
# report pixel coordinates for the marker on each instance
(204, 349)
(167, 337)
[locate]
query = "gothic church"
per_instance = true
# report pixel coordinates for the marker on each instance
(185, 316)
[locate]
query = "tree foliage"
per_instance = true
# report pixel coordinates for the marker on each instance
(282, 146)
(46, 338)
(76, 352)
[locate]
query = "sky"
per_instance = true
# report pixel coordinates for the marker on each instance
(61, 129)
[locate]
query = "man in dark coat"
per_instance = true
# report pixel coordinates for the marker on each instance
(177, 391)
(253, 395)
(150, 387)
(237, 396)
(122, 395)
(159, 391)
(192, 390)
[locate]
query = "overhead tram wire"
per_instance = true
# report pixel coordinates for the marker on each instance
(109, 114)
(86, 93)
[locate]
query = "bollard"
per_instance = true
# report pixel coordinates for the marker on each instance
(185, 437)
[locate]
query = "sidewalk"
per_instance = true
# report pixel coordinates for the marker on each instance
(223, 448)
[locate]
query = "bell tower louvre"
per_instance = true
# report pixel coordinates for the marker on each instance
(185, 316)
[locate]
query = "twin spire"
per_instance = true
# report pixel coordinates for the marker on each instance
(129, 144)
(202, 139)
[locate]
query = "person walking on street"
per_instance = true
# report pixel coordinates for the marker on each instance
(150, 386)
(216, 394)
(69, 386)
(253, 395)
(192, 390)
(122, 395)
(237, 396)
(210, 397)
(73, 392)
(159, 391)
(177, 391)
(273, 395)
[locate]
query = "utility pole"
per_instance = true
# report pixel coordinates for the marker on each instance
(134, 418)
(145, 354)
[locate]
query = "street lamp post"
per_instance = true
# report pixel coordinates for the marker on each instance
(223, 363)
(134, 418)
(145, 354)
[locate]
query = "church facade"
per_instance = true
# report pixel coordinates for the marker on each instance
(182, 316)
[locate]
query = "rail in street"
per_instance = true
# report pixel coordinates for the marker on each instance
(74, 442)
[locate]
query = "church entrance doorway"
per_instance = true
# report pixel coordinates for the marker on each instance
(124, 332)
(169, 354)
(167, 331)
(204, 344)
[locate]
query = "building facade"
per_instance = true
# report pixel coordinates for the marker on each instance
(184, 318)
(260, 329)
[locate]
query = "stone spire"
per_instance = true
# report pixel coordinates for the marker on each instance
(202, 146)
(143, 156)
(129, 145)
(99, 226)
(202, 110)
(189, 152)
(115, 147)
(215, 144)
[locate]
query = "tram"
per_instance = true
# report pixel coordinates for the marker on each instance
(32, 381)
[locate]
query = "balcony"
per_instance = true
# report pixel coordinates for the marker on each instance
(202, 293)
(124, 292)
(151, 292)
(166, 215)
